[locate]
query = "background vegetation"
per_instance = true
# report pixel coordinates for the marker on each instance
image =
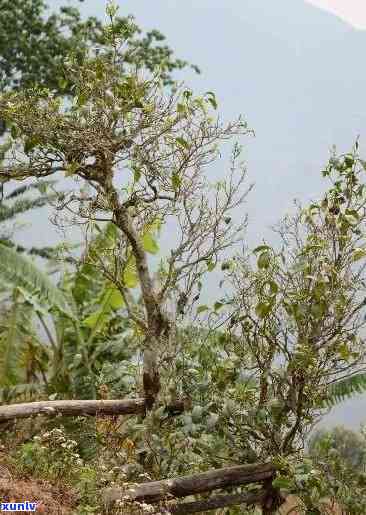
(255, 368)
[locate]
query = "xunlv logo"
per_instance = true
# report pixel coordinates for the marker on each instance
(18, 506)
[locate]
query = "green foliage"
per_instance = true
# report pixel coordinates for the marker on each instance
(51, 455)
(346, 388)
(111, 299)
(20, 201)
(82, 319)
(350, 445)
(34, 44)
(23, 204)
(35, 286)
(255, 373)
(340, 457)
(17, 339)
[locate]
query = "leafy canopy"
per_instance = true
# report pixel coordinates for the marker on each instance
(34, 44)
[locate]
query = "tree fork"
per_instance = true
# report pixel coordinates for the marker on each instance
(156, 322)
(151, 379)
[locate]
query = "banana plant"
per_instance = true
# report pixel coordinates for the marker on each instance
(81, 319)
(26, 292)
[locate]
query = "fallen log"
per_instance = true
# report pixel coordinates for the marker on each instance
(221, 501)
(82, 408)
(156, 491)
(72, 408)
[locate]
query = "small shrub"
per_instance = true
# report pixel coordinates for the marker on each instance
(52, 456)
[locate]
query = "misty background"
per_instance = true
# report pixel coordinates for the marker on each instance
(296, 74)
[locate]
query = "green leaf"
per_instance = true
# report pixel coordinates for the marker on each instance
(200, 102)
(88, 282)
(111, 299)
(282, 483)
(218, 305)
(211, 266)
(181, 108)
(71, 168)
(353, 213)
(148, 236)
(212, 99)
(63, 83)
(81, 99)
(176, 181)
(14, 132)
(187, 94)
(182, 142)
(226, 265)
(136, 175)
(261, 248)
(358, 254)
(30, 144)
(262, 309)
(149, 244)
(351, 219)
(111, 9)
(314, 207)
(138, 104)
(130, 277)
(344, 352)
(349, 161)
(92, 320)
(115, 298)
(264, 260)
(201, 309)
(318, 309)
(273, 287)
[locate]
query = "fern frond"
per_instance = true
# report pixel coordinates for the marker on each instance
(18, 271)
(50, 253)
(40, 186)
(345, 389)
(23, 205)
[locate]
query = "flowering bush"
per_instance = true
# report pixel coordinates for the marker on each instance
(51, 455)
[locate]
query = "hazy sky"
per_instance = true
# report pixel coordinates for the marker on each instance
(279, 62)
(353, 11)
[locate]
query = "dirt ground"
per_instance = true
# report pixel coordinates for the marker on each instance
(49, 498)
(53, 500)
(291, 504)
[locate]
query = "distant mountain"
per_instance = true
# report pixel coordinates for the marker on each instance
(295, 71)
